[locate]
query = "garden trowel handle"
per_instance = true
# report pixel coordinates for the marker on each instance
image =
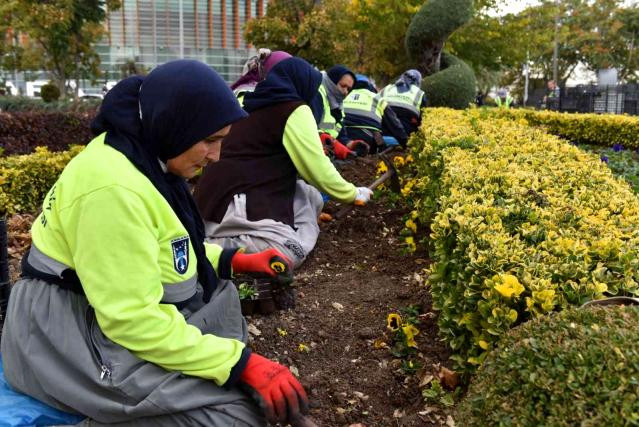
(379, 181)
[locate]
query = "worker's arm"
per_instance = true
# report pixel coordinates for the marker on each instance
(304, 147)
(115, 252)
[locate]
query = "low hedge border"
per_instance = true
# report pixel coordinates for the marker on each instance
(522, 224)
(21, 133)
(25, 179)
(577, 367)
(599, 129)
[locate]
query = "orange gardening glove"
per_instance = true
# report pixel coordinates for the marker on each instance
(269, 263)
(274, 388)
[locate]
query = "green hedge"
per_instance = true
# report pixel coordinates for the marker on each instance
(454, 86)
(578, 367)
(22, 103)
(522, 224)
(597, 129)
(25, 179)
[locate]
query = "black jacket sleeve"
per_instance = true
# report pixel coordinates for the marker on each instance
(392, 126)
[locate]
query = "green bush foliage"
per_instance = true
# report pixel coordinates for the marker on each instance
(598, 129)
(522, 224)
(435, 21)
(49, 92)
(578, 367)
(25, 179)
(22, 132)
(454, 86)
(12, 104)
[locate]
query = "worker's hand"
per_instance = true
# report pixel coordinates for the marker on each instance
(341, 151)
(269, 263)
(276, 390)
(360, 147)
(363, 196)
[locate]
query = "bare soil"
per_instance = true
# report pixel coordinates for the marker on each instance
(358, 273)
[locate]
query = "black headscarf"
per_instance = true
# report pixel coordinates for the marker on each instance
(293, 79)
(161, 116)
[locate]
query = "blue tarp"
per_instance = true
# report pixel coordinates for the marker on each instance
(17, 409)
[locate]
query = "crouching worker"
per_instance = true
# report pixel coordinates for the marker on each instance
(252, 196)
(366, 114)
(123, 313)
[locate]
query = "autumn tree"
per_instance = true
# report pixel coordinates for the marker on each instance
(60, 35)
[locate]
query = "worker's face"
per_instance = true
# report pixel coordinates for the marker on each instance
(345, 84)
(188, 164)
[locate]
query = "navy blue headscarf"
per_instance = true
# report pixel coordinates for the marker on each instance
(293, 79)
(336, 73)
(161, 116)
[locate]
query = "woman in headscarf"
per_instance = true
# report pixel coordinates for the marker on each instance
(123, 313)
(406, 99)
(328, 108)
(252, 196)
(255, 70)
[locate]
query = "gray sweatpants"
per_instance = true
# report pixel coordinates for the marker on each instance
(236, 230)
(54, 350)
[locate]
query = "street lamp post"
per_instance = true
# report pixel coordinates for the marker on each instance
(555, 53)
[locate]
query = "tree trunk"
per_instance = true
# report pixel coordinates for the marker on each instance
(431, 58)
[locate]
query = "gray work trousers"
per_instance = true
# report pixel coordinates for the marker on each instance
(236, 230)
(54, 351)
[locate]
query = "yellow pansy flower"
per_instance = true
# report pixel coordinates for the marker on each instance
(394, 322)
(410, 332)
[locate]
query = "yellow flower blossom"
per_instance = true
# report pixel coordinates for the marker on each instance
(410, 224)
(381, 168)
(509, 285)
(398, 161)
(410, 332)
(281, 332)
(394, 322)
(303, 348)
(410, 242)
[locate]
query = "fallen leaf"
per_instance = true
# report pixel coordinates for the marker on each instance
(340, 410)
(450, 422)
(425, 381)
(338, 306)
(294, 371)
(253, 330)
(449, 378)
(398, 413)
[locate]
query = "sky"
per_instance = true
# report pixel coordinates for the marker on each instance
(516, 6)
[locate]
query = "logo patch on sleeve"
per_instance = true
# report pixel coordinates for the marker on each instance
(180, 254)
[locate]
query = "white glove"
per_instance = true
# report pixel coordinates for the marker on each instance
(363, 196)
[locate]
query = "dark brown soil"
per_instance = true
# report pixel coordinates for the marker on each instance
(357, 275)
(354, 278)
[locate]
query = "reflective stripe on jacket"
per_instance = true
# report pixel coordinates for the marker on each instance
(411, 100)
(328, 124)
(364, 109)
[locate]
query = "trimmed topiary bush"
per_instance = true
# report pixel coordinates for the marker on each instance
(450, 82)
(49, 92)
(454, 86)
(431, 26)
(577, 367)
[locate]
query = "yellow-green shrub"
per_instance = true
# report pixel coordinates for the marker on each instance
(599, 129)
(522, 224)
(25, 179)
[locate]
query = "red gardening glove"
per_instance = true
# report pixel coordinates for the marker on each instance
(268, 263)
(341, 151)
(360, 147)
(276, 390)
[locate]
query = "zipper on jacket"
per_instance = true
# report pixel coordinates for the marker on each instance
(105, 370)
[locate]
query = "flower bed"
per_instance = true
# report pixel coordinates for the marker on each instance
(522, 224)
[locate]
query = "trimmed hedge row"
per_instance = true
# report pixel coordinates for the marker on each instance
(522, 224)
(597, 129)
(12, 104)
(578, 367)
(25, 179)
(21, 133)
